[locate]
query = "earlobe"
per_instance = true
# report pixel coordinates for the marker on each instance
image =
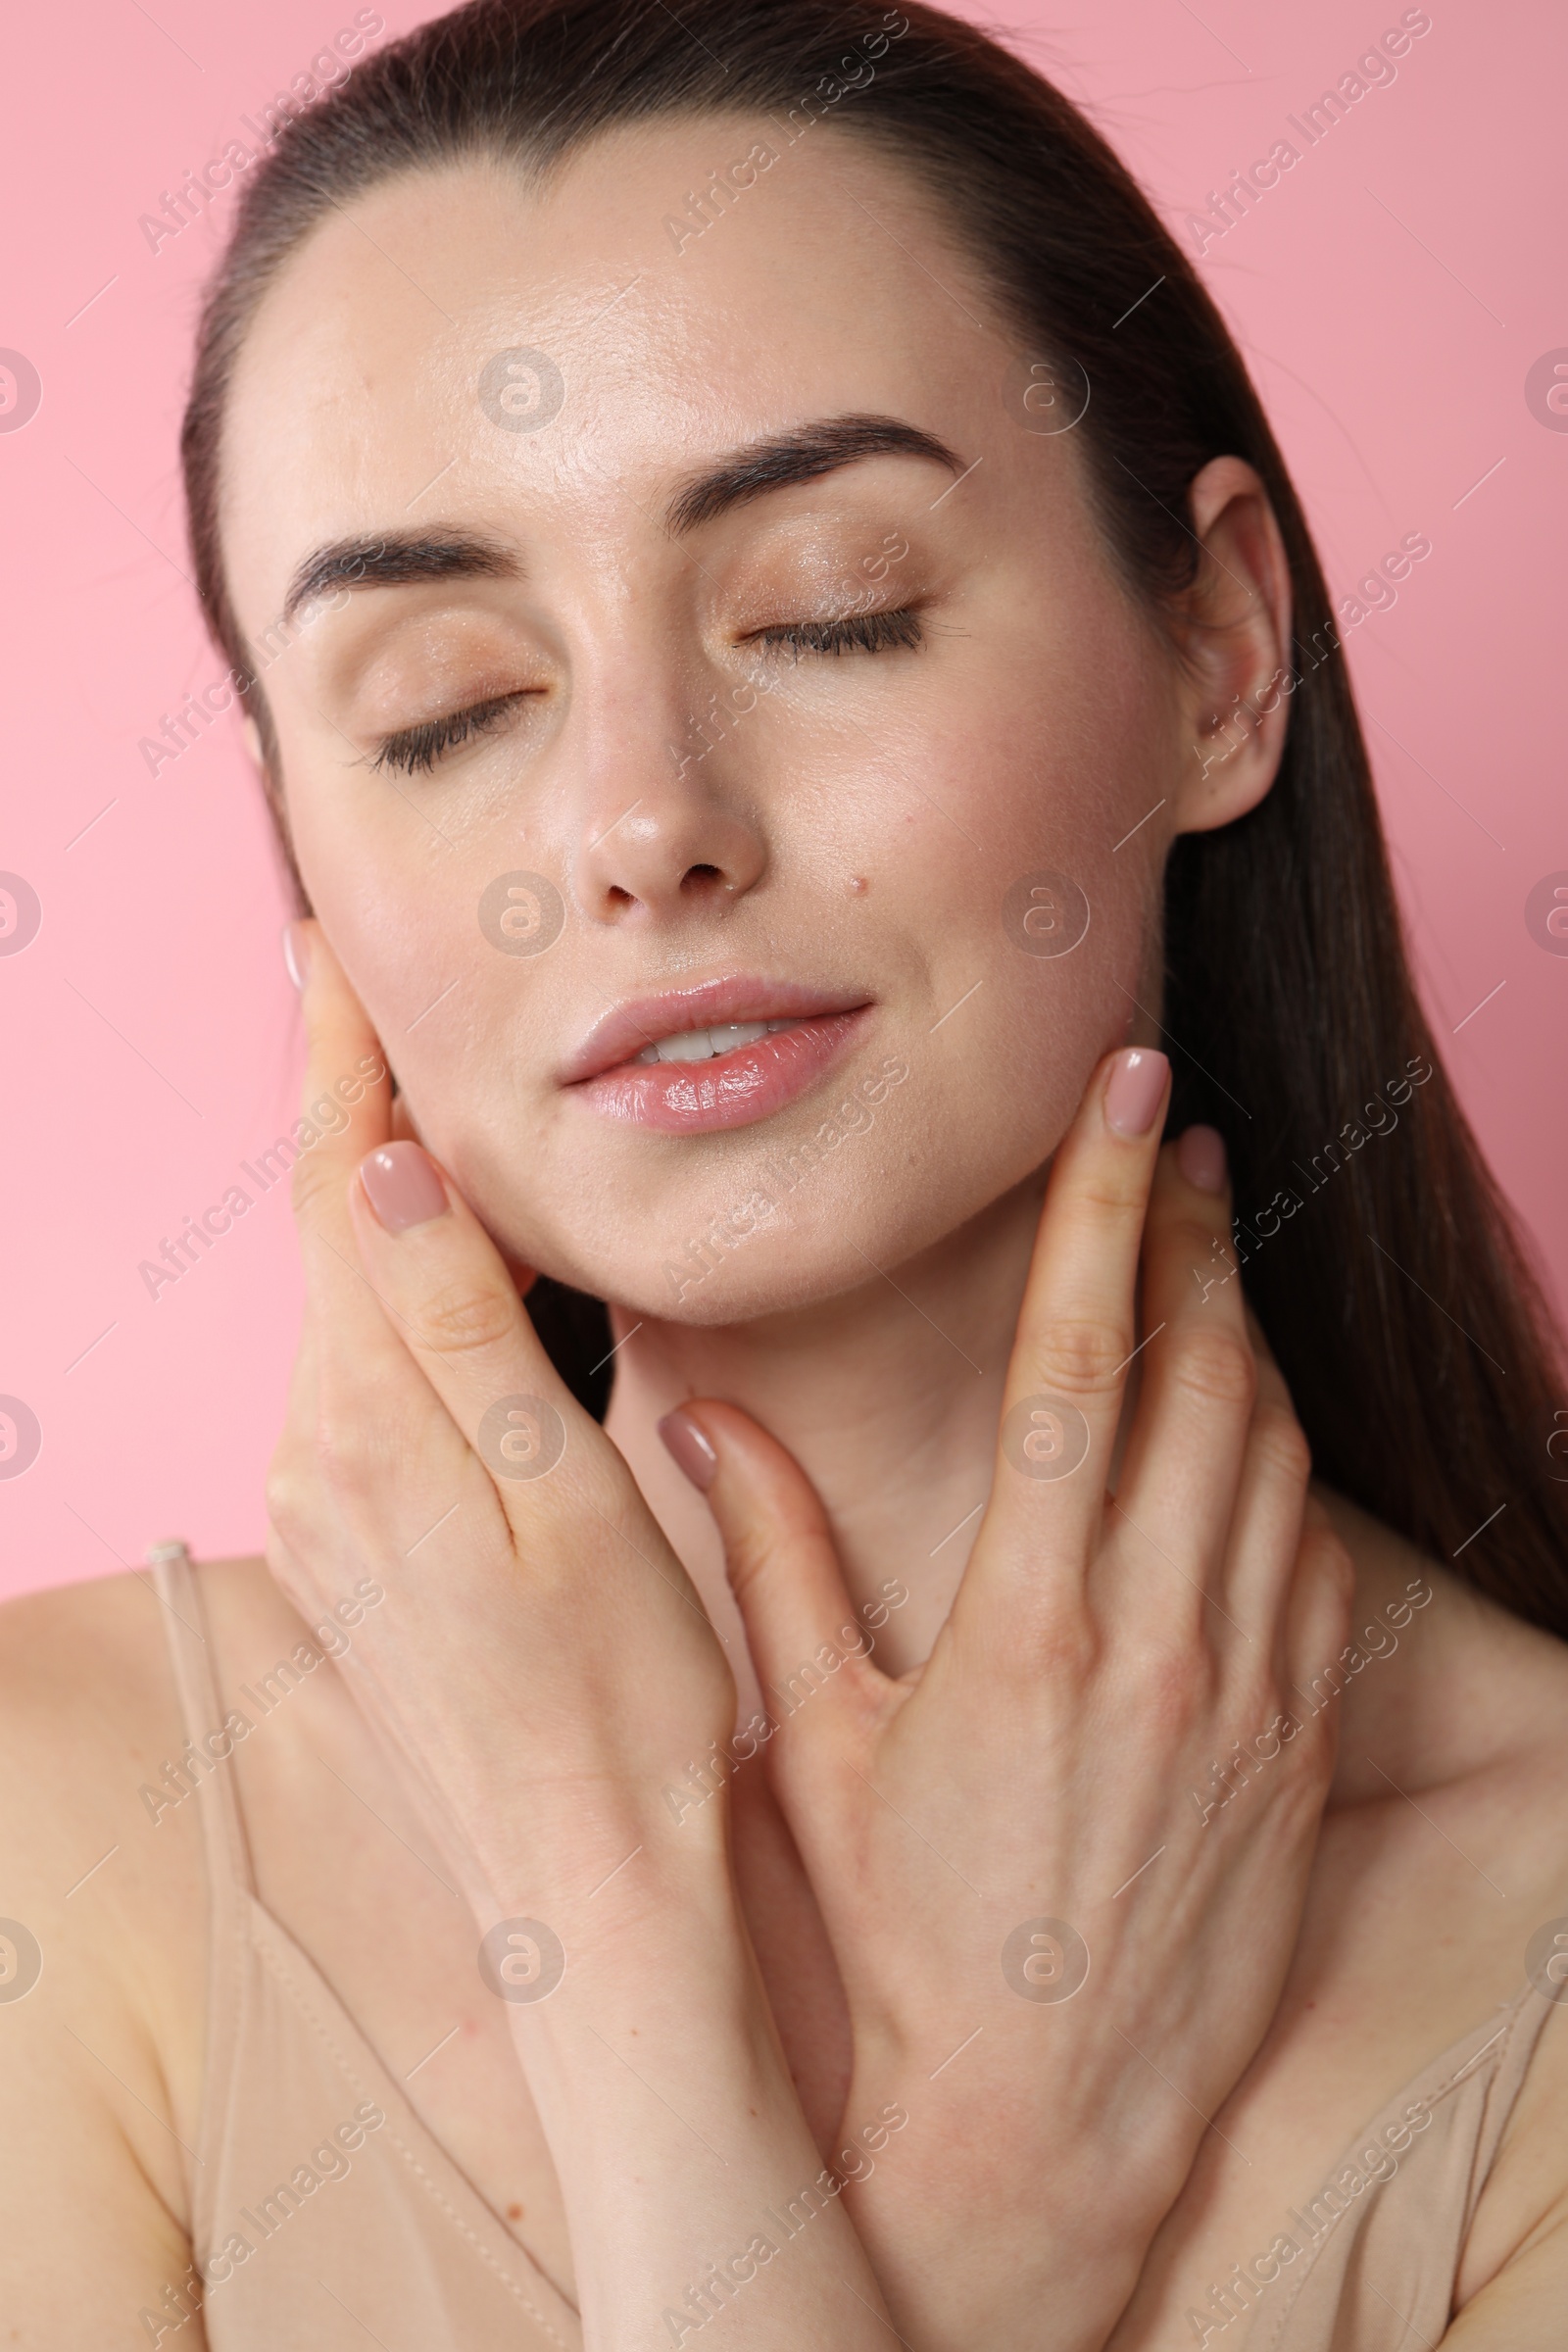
(1234, 634)
(252, 736)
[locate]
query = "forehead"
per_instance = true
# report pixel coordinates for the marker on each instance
(639, 337)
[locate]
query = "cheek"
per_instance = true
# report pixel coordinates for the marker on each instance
(1046, 887)
(1005, 929)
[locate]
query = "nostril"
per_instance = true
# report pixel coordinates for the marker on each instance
(701, 875)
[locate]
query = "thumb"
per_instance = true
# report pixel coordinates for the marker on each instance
(406, 1130)
(779, 1553)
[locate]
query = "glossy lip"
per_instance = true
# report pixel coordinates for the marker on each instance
(623, 1032)
(728, 1090)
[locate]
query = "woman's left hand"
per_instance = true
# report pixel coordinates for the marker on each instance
(1060, 1945)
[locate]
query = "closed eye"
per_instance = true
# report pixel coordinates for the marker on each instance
(854, 632)
(417, 750)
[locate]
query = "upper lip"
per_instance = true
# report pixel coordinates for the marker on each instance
(622, 1032)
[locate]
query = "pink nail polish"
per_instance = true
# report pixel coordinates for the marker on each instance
(1201, 1157)
(402, 1186)
(689, 1449)
(1134, 1091)
(296, 954)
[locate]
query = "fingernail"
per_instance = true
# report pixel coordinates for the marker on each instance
(1134, 1091)
(1201, 1157)
(402, 1186)
(689, 1449)
(296, 953)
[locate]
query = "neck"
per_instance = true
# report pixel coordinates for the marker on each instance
(888, 1396)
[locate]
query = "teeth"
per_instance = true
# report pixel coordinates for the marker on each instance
(701, 1045)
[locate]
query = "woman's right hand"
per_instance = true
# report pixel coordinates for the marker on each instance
(540, 1667)
(1061, 1941)
(541, 1655)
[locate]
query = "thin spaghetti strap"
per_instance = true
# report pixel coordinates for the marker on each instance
(1523, 2019)
(208, 1743)
(230, 1887)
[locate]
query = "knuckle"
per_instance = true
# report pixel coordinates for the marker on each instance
(1324, 1556)
(1079, 1356)
(1281, 1445)
(1184, 1236)
(465, 1317)
(1057, 1647)
(344, 1454)
(1173, 1685)
(311, 1179)
(1216, 1366)
(286, 1493)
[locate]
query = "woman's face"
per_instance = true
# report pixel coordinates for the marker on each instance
(677, 809)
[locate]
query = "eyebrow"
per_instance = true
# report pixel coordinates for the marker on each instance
(394, 560)
(400, 559)
(802, 455)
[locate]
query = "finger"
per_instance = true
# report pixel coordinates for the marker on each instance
(457, 1315)
(1317, 1623)
(1266, 1525)
(346, 1110)
(1075, 1336)
(404, 1130)
(1176, 1500)
(779, 1555)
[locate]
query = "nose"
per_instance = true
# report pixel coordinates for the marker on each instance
(670, 828)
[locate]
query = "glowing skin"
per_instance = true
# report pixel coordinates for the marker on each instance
(1035, 724)
(722, 826)
(713, 810)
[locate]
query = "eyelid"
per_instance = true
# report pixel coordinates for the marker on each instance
(887, 628)
(422, 745)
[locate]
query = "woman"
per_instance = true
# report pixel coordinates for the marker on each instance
(790, 671)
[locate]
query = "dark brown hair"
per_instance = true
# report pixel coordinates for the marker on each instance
(1392, 1281)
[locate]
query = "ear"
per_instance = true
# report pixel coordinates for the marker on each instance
(1233, 630)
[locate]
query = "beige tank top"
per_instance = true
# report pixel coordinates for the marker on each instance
(326, 2217)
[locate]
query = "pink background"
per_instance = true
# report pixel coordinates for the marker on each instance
(1390, 296)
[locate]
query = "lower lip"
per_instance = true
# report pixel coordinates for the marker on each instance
(729, 1090)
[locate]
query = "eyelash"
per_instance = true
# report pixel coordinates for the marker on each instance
(417, 749)
(856, 632)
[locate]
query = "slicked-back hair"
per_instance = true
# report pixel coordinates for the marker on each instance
(1395, 1288)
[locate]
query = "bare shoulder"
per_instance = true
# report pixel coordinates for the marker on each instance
(68, 1654)
(85, 1669)
(1452, 1789)
(102, 1962)
(105, 1885)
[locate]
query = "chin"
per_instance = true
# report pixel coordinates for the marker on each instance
(761, 1254)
